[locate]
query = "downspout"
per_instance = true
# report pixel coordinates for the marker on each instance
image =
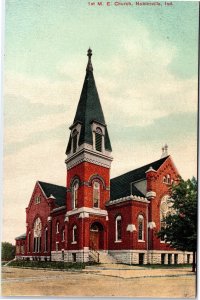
(147, 234)
(82, 239)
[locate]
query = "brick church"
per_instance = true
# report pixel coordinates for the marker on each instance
(95, 217)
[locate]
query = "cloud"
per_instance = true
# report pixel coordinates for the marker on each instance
(45, 162)
(136, 80)
(26, 111)
(141, 88)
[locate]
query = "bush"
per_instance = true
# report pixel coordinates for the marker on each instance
(7, 251)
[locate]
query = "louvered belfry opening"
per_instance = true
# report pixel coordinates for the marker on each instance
(74, 140)
(98, 140)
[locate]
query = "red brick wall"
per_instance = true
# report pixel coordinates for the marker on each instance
(58, 236)
(129, 212)
(84, 171)
(83, 228)
(155, 183)
(41, 210)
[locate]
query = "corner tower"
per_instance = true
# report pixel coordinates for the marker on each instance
(88, 167)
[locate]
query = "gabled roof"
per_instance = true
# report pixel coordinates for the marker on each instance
(21, 237)
(121, 186)
(57, 191)
(89, 109)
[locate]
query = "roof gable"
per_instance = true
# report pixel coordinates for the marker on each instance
(57, 191)
(121, 186)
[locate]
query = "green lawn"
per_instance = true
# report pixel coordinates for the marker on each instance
(46, 264)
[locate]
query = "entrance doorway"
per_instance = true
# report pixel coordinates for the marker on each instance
(96, 236)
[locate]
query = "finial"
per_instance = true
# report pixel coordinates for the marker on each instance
(89, 65)
(164, 151)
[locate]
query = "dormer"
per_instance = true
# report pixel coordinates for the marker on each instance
(74, 138)
(98, 134)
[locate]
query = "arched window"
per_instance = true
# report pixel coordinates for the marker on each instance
(74, 234)
(96, 194)
(37, 199)
(74, 140)
(57, 227)
(168, 179)
(164, 179)
(98, 139)
(75, 194)
(46, 240)
(118, 228)
(37, 235)
(140, 228)
(164, 211)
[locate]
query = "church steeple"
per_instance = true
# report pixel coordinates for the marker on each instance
(89, 112)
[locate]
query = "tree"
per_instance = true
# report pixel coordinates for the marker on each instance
(7, 251)
(181, 223)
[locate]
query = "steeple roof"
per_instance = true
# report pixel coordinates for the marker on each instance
(89, 109)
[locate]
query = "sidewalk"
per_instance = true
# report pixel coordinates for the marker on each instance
(126, 271)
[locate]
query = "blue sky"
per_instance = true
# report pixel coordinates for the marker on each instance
(145, 67)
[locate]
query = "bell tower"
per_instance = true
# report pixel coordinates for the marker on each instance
(88, 168)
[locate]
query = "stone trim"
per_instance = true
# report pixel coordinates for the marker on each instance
(151, 225)
(150, 194)
(91, 156)
(131, 228)
(58, 208)
(128, 198)
(93, 211)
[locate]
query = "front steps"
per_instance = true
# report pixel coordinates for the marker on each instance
(105, 258)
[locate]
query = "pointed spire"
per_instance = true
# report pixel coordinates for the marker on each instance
(89, 110)
(89, 65)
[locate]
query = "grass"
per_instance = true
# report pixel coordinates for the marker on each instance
(47, 265)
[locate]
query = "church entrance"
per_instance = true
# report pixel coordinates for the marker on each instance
(96, 236)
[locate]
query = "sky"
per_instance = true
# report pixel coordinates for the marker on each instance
(145, 68)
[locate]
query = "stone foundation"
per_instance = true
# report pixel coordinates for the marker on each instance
(131, 257)
(71, 255)
(135, 257)
(33, 258)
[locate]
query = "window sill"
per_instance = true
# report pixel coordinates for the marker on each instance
(119, 241)
(73, 242)
(141, 241)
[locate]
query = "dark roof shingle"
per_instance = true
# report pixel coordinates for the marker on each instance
(120, 186)
(21, 237)
(59, 192)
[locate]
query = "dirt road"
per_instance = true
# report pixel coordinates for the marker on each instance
(171, 283)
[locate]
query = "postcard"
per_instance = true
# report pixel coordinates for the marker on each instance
(100, 105)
